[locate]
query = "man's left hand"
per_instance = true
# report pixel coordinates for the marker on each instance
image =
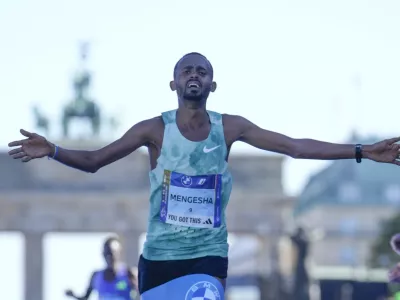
(386, 151)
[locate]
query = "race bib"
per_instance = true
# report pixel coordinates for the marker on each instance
(193, 201)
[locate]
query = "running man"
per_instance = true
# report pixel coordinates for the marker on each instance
(190, 180)
(116, 281)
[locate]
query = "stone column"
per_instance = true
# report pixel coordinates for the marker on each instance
(33, 266)
(264, 256)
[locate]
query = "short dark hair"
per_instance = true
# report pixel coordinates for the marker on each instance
(192, 53)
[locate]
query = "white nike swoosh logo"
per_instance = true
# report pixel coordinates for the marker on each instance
(206, 150)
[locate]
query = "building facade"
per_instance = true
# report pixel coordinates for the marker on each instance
(347, 202)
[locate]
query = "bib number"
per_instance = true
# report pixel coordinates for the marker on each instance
(192, 201)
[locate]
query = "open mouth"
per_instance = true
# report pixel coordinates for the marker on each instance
(193, 84)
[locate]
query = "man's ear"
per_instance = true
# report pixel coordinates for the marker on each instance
(172, 85)
(213, 86)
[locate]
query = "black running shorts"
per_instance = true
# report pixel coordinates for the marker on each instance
(154, 273)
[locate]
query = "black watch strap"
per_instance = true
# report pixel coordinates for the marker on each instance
(358, 151)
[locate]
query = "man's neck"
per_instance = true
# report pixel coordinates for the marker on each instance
(192, 117)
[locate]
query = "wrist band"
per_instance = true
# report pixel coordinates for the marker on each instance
(358, 150)
(55, 153)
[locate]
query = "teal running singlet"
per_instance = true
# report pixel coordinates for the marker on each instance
(190, 188)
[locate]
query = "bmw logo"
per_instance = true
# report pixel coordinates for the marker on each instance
(186, 180)
(203, 290)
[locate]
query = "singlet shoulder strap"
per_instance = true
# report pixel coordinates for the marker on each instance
(169, 117)
(217, 129)
(215, 118)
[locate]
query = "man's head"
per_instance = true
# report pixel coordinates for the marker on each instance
(193, 78)
(112, 251)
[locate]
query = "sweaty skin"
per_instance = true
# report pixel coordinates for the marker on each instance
(193, 81)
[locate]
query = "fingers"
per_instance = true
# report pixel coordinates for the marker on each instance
(17, 143)
(22, 155)
(20, 142)
(26, 159)
(19, 155)
(15, 151)
(26, 133)
(393, 140)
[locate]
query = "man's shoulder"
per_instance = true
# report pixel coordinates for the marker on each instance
(229, 116)
(234, 126)
(234, 120)
(153, 121)
(152, 124)
(151, 128)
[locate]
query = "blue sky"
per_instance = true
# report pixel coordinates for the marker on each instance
(288, 66)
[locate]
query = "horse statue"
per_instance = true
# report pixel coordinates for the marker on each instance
(41, 121)
(82, 106)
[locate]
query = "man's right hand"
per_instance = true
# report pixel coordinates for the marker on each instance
(34, 146)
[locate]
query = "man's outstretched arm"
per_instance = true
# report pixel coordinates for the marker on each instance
(384, 151)
(36, 146)
(91, 161)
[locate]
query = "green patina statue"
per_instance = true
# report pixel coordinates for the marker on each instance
(82, 106)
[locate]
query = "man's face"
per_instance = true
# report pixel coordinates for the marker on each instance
(193, 78)
(112, 253)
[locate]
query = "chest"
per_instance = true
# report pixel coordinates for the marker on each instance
(204, 150)
(194, 134)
